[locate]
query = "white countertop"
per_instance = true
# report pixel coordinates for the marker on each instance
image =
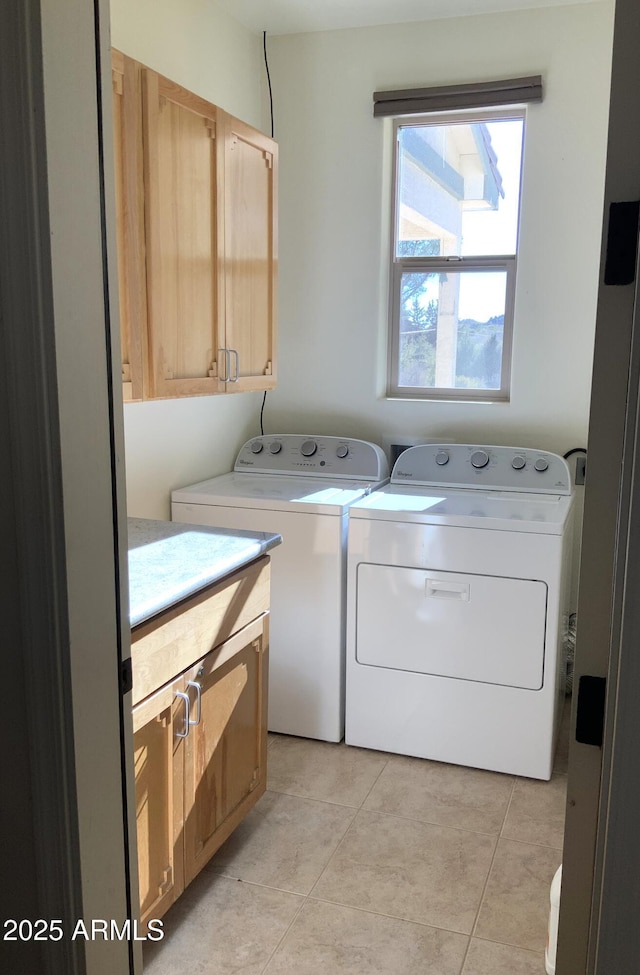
(169, 561)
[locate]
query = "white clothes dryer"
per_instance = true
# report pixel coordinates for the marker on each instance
(458, 583)
(300, 487)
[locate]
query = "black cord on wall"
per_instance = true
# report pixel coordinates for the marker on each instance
(266, 66)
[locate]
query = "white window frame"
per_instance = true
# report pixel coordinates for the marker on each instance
(498, 262)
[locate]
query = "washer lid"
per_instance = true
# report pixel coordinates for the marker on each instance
(499, 510)
(276, 493)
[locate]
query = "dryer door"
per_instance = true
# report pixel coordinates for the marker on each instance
(471, 627)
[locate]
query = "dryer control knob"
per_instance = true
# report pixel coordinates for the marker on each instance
(442, 458)
(275, 447)
(342, 450)
(479, 459)
(308, 448)
(256, 447)
(541, 465)
(518, 462)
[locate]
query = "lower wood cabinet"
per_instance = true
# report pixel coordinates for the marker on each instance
(159, 763)
(200, 745)
(226, 751)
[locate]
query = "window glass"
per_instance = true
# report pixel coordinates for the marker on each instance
(455, 244)
(459, 188)
(451, 329)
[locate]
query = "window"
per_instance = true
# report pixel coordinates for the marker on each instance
(457, 201)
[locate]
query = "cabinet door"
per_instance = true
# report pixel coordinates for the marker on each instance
(250, 256)
(225, 755)
(183, 225)
(127, 140)
(159, 767)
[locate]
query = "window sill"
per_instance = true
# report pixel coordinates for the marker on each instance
(467, 401)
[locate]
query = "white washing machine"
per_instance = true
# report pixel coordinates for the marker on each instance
(301, 487)
(458, 582)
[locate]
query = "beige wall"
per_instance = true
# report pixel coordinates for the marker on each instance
(172, 443)
(334, 220)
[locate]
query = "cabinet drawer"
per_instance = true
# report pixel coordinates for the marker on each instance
(170, 643)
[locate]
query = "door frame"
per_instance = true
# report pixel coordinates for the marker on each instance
(598, 929)
(64, 602)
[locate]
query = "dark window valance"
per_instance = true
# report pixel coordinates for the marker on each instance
(454, 98)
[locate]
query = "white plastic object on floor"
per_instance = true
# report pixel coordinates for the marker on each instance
(552, 936)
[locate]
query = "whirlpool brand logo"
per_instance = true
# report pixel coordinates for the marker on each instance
(247, 463)
(403, 474)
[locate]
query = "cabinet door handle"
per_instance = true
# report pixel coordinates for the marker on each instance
(237, 371)
(227, 365)
(187, 722)
(193, 683)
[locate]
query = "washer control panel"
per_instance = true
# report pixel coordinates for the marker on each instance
(335, 457)
(491, 468)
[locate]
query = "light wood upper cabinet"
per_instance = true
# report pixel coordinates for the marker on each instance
(127, 138)
(250, 255)
(201, 318)
(183, 228)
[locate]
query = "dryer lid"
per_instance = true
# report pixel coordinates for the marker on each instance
(544, 514)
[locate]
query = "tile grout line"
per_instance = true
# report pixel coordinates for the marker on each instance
(295, 917)
(346, 833)
(375, 782)
(390, 917)
(427, 822)
(329, 802)
(486, 883)
(330, 860)
(508, 809)
(512, 944)
(423, 822)
(307, 896)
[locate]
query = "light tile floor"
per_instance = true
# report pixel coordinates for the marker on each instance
(362, 863)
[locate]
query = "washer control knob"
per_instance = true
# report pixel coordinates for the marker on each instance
(541, 465)
(479, 459)
(442, 458)
(275, 447)
(256, 447)
(308, 448)
(342, 450)
(518, 462)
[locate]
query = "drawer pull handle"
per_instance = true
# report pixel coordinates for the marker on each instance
(193, 683)
(187, 722)
(447, 590)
